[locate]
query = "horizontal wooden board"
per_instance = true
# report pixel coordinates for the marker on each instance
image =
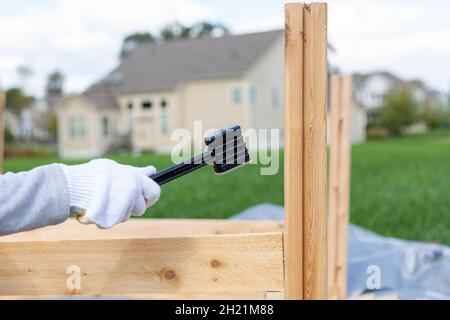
(260, 295)
(146, 228)
(197, 264)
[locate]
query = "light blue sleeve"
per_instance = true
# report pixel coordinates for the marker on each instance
(33, 199)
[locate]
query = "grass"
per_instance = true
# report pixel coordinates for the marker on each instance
(400, 187)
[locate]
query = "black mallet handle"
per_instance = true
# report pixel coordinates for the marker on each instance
(179, 170)
(226, 152)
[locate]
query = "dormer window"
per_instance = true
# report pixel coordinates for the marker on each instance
(147, 104)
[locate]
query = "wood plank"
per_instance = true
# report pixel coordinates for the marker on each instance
(259, 295)
(314, 152)
(344, 188)
(2, 128)
(333, 185)
(146, 228)
(199, 264)
(293, 173)
(339, 192)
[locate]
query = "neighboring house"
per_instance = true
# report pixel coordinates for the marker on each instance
(87, 125)
(161, 87)
(370, 89)
(358, 122)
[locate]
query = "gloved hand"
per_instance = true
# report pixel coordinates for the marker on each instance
(107, 193)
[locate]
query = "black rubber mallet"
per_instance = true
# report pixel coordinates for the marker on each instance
(226, 151)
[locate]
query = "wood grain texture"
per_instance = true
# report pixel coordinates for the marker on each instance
(315, 152)
(293, 173)
(199, 264)
(146, 228)
(2, 128)
(305, 151)
(259, 295)
(339, 187)
(335, 89)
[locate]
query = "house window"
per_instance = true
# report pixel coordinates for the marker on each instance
(378, 97)
(130, 123)
(252, 95)
(130, 105)
(237, 95)
(275, 97)
(163, 103)
(106, 127)
(164, 123)
(77, 127)
(147, 104)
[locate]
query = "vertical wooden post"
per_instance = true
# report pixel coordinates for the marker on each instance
(293, 169)
(339, 187)
(315, 152)
(2, 128)
(305, 147)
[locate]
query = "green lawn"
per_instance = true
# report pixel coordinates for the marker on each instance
(400, 187)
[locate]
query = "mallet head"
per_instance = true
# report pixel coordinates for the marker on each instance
(227, 150)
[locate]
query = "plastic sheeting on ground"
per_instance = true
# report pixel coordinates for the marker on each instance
(408, 269)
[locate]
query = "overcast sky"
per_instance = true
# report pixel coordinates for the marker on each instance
(82, 37)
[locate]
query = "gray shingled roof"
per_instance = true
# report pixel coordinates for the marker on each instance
(102, 101)
(360, 78)
(153, 67)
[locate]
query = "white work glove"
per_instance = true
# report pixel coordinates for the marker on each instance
(107, 193)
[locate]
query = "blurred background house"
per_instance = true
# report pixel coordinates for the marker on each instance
(161, 87)
(158, 88)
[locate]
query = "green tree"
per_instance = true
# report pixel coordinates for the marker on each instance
(133, 40)
(208, 29)
(16, 100)
(399, 110)
(52, 124)
(436, 116)
(173, 31)
(55, 84)
(8, 135)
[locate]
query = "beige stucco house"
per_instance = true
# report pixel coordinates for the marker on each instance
(87, 125)
(161, 87)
